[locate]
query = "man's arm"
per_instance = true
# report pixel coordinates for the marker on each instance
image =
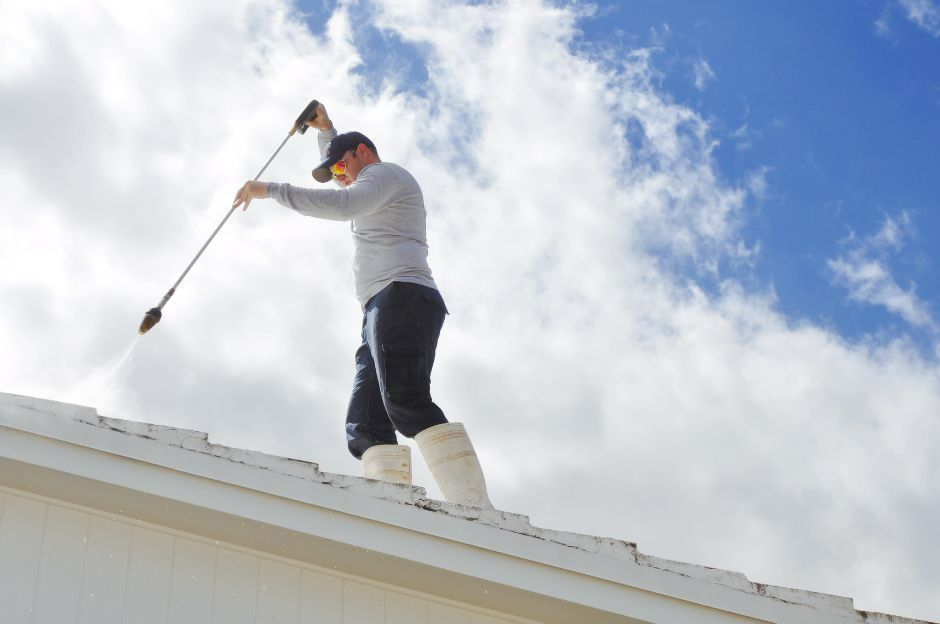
(374, 189)
(324, 138)
(324, 125)
(257, 189)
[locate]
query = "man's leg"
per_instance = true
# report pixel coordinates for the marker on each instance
(367, 422)
(403, 336)
(403, 330)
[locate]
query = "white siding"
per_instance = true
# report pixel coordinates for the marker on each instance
(60, 563)
(147, 593)
(278, 593)
(447, 614)
(321, 598)
(193, 580)
(106, 556)
(363, 603)
(404, 608)
(21, 528)
(59, 584)
(236, 587)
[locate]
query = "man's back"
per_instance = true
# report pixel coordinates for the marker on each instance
(388, 220)
(391, 243)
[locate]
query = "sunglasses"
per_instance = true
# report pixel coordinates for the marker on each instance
(339, 168)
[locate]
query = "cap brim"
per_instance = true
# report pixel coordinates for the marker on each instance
(322, 175)
(322, 172)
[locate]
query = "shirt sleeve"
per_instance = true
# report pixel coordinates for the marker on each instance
(324, 138)
(374, 189)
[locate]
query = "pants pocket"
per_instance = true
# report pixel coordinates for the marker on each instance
(407, 379)
(434, 297)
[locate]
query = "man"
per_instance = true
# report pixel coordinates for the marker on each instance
(403, 313)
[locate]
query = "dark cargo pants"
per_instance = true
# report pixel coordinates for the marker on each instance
(392, 387)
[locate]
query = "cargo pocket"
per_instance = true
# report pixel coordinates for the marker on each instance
(406, 374)
(434, 297)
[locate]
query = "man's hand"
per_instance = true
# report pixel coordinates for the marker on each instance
(250, 190)
(322, 121)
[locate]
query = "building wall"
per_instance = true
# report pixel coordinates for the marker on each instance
(62, 563)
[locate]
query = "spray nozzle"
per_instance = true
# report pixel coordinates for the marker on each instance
(151, 318)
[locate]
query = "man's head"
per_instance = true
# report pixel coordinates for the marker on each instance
(347, 155)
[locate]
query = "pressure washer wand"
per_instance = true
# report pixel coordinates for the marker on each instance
(152, 317)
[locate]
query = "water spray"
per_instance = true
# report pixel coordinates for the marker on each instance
(152, 317)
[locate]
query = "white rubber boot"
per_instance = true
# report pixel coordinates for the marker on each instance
(453, 462)
(387, 462)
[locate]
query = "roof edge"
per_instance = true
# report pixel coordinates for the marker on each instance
(70, 423)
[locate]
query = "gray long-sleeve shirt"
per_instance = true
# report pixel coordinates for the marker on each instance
(385, 208)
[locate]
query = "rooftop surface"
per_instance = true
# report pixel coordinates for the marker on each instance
(190, 453)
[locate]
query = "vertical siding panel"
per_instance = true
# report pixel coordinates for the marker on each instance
(236, 587)
(362, 603)
(191, 582)
(105, 576)
(440, 613)
(59, 585)
(278, 593)
(321, 598)
(483, 619)
(403, 608)
(148, 577)
(20, 546)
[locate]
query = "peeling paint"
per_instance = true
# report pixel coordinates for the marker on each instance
(13, 408)
(879, 618)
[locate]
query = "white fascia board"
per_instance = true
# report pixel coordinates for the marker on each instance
(398, 521)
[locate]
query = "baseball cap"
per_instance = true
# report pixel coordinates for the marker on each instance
(339, 146)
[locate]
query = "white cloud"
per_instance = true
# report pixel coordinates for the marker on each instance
(892, 233)
(604, 393)
(883, 27)
(864, 271)
(702, 74)
(871, 282)
(924, 13)
(757, 183)
(742, 136)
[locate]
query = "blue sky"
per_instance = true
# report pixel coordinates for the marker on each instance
(835, 104)
(687, 248)
(846, 118)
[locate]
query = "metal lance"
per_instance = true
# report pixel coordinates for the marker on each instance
(153, 316)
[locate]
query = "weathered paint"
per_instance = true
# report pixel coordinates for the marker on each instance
(108, 461)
